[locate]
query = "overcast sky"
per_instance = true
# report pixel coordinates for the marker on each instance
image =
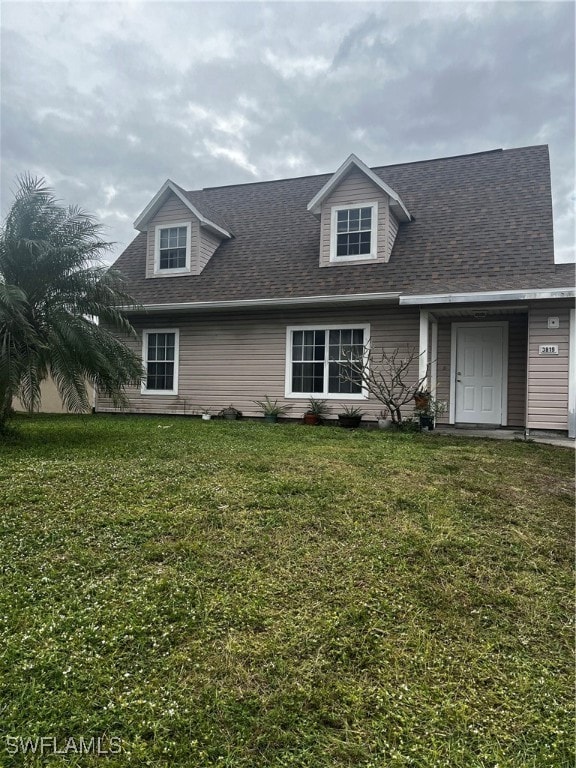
(107, 100)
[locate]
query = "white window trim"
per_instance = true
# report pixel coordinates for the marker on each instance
(145, 334)
(172, 225)
(373, 233)
(323, 395)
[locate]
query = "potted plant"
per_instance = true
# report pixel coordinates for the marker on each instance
(317, 411)
(429, 412)
(206, 414)
(384, 420)
(230, 413)
(350, 417)
(422, 400)
(272, 409)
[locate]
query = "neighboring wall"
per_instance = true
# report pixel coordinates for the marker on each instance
(355, 189)
(51, 402)
(236, 358)
(548, 374)
(517, 348)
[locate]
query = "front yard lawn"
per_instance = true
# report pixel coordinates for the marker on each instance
(243, 595)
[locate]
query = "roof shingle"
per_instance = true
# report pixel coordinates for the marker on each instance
(482, 222)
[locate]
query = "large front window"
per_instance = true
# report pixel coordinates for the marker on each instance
(320, 361)
(354, 235)
(160, 352)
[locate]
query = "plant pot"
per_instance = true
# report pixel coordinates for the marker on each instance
(206, 416)
(271, 418)
(349, 422)
(311, 418)
(384, 423)
(427, 422)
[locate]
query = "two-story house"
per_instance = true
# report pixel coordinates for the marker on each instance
(261, 289)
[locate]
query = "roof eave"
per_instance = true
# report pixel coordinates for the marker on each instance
(158, 200)
(315, 205)
(523, 294)
(286, 301)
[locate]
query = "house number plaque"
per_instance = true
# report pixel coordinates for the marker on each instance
(548, 349)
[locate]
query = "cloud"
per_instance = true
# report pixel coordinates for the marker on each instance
(224, 93)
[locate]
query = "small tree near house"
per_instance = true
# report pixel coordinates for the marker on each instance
(387, 376)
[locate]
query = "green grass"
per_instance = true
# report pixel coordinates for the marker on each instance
(239, 594)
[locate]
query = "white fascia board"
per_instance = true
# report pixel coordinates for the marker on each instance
(314, 204)
(158, 199)
(463, 298)
(283, 302)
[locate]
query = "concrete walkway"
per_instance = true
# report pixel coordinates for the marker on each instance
(509, 434)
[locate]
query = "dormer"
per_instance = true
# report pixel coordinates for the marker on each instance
(359, 216)
(181, 236)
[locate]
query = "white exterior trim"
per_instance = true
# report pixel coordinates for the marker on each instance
(461, 298)
(287, 301)
(480, 323)
(315, 205)
(288, 394)
(158, 199)
(423, 349)
(145, 333)
(434, 356)
(572, 376)
(373, 255)
(172, 225)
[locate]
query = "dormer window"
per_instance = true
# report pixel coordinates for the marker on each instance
(354, 232)
(172, 252)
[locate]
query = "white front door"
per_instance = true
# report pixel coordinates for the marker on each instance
(479, 374)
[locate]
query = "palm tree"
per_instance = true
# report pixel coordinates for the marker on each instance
(53, 285)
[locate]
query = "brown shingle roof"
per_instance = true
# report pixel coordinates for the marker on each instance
(482, 222)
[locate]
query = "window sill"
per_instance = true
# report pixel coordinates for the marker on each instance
(169, 392)
(348, 259)
(324, 396)
(179, 271)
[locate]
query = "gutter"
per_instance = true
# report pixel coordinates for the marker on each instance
(288, 301)
(464, 298)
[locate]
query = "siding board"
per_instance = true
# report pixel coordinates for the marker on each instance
(517, 350)
(354, 189)
(548, 374)
(241, 357)
(202, 243)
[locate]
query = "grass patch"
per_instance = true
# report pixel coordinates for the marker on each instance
(239, 594)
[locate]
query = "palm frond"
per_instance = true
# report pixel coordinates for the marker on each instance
(53, 284)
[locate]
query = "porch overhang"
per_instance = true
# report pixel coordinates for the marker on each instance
(525, 294)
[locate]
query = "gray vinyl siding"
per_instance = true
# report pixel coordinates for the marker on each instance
(236, 358)
(392, 231)
(208, 244)
(517, 348)
(548, 374)
(202, 243)
(353, 190)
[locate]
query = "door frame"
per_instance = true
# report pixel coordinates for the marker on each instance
(453, 341)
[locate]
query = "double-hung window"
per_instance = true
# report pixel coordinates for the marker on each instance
(354, 232)
(172, 249)
(326, 361)
(160, 356)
